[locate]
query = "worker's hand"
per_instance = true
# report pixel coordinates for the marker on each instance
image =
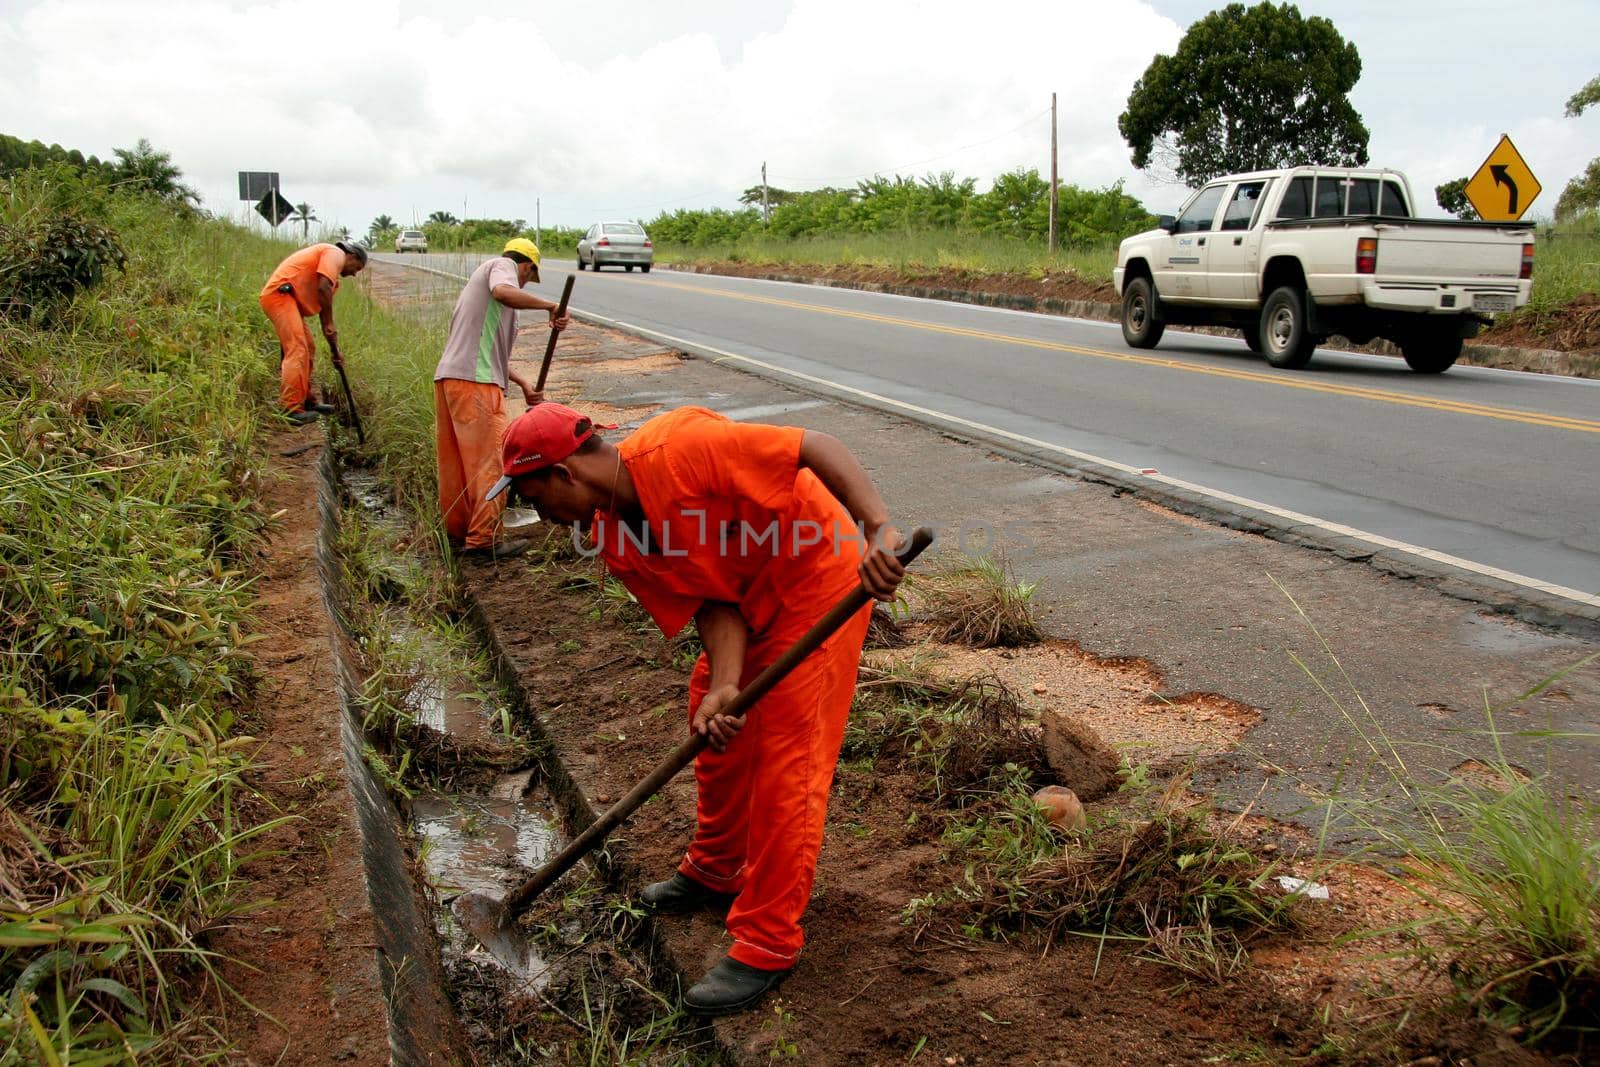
(532, 396)
(881, 570)
(717, 728)
(559, 322)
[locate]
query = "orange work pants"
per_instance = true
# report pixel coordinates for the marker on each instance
(763, 803)
(469, 418)
(299, 349)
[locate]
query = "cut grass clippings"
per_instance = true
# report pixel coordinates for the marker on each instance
(976, 601)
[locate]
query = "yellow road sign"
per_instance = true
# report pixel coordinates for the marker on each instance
(1503, 187)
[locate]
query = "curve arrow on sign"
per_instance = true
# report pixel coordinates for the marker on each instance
(1503, 177)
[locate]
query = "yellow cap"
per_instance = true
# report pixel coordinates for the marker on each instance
(524, 247)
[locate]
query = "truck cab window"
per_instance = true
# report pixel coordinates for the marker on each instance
(1296, 200)
(1242, 205)
(1201, 212)
(1330, 197)
(1394, 202)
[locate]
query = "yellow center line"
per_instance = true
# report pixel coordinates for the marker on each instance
(1281, 380)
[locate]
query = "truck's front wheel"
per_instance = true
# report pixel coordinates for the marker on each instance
(1431, 353)
(1284, 339)
(1140, 326)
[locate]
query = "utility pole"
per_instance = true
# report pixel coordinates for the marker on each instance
(1052, 174)
(765, 214)
(536, 227)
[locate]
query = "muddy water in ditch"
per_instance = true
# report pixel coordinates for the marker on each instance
(485, 837)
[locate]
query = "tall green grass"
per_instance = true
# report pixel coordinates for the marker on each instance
(1566, 264)
(129, 417)
(919, 252)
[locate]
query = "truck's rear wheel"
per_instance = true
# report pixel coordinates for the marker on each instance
(1283, 336)
(1431, 353)
(1252, 340)
(1140, 326)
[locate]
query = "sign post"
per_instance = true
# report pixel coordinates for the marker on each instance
(1503, 187)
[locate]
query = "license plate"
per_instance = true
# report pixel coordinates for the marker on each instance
(1493, 302)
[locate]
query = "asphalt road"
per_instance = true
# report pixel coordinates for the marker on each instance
(1495, 472)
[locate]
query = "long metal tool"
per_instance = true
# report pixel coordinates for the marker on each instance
(493, 922)
(350, 399)
(555, 331)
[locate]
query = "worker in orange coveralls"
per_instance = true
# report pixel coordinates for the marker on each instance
(469, 391)
(751, 531)
(302, 286)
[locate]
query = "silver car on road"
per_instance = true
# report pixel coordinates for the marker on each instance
(622, 244)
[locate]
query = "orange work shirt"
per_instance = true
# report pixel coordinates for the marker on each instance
(730, 516)
(302, 269)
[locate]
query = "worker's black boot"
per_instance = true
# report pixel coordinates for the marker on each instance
(730, 987)
(681, 894)
(499, 550)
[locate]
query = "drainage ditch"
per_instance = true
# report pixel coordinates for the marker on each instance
(450, 800)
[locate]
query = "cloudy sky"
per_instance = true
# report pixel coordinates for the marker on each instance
(625, 108)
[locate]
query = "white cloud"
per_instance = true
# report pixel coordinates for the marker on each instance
(421, 107)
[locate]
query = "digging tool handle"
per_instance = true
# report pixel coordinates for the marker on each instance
(664, 771)
(550, 345)
(355, 416)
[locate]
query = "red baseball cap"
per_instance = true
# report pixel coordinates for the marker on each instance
(540, 437)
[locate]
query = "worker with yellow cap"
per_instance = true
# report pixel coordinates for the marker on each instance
(469, 390)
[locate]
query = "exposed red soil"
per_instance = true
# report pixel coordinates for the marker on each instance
(1574, 327)
(304, 964)
(871, 989)
(1052, 285)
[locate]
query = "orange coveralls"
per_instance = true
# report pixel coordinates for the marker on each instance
(734, 518)
(469, 420)
(288, 313)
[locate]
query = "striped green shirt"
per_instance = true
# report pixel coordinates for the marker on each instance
(478, 348)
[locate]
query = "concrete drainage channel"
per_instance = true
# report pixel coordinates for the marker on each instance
(449, 1001)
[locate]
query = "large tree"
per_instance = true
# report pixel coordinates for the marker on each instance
(1249, 89)
(1582, 193)
(1452, 196)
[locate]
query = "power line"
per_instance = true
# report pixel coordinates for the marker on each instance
(921, 162)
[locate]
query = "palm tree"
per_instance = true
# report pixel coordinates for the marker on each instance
(380, 226)
(142, 167)
(443, 218)
(302, 214)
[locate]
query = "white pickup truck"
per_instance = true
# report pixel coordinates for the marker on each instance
(1291, 257)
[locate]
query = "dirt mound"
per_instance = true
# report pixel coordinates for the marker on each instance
(1573, 327)
(1050, 285)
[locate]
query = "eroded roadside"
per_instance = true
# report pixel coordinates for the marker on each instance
(1172, 637)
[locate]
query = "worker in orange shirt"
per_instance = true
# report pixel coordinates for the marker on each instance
(469, 391)
(302, 286)
(751, 531)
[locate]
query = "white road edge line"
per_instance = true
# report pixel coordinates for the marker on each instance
(1299, 519)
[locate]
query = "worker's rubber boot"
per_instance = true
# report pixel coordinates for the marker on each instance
(730, 987)
(499, 550)
(319, 407)
(302, 417)
(680, 895)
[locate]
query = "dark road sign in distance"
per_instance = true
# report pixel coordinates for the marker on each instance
(274, 212)
(254, 184)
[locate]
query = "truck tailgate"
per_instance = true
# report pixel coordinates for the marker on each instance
(1408, 251)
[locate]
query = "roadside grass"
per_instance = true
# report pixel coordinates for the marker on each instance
(916, 253)
(976, 601)
(1566, 265)
(129, 419)
(1506, 865)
